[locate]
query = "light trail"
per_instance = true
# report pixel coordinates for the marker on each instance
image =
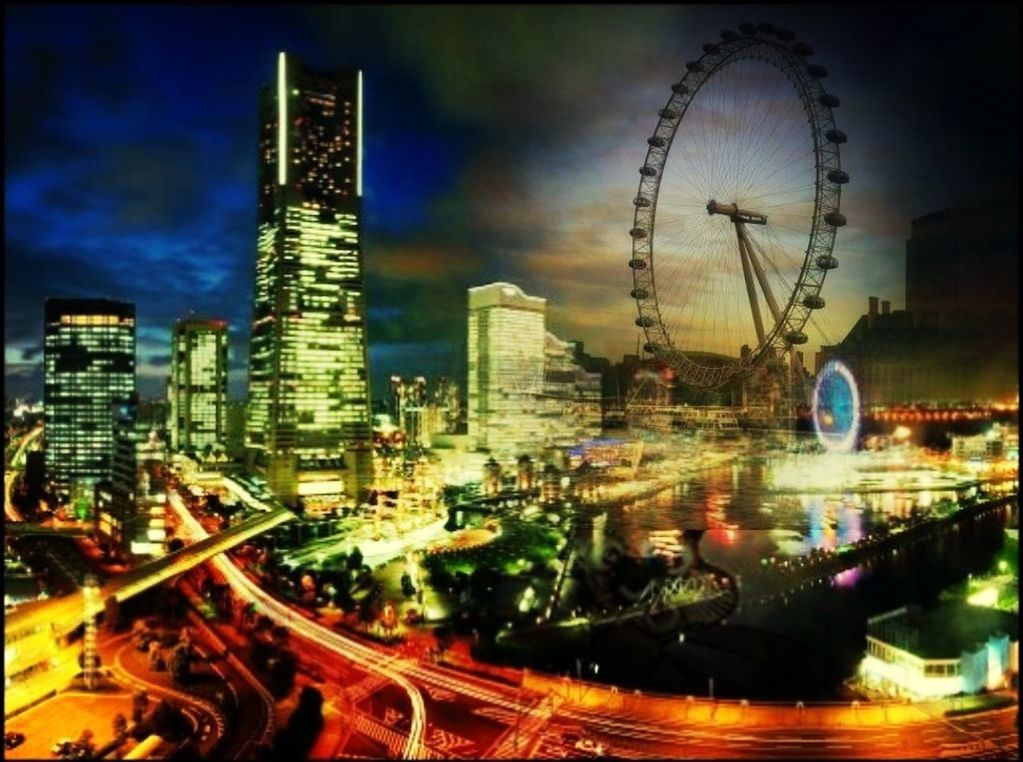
(9, 510)
(361, 655)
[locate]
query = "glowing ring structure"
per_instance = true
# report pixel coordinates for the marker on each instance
(837, 441)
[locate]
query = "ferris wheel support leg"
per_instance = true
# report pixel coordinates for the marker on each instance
(751, 291)
(765, 286)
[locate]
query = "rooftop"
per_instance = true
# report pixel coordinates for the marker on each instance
(944, 631)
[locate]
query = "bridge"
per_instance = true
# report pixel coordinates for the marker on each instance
(48, 529)
(35, 632)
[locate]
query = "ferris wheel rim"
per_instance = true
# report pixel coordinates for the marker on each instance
(781, 49)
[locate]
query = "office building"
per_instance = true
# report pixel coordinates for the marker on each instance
(198, 385)
(957, 340)
(308, 425)
(89, 367)
(962, 269)
(130, 505)
(408, 410)
(444, 410)
(571, 403)
(506, 344)
(526, 390)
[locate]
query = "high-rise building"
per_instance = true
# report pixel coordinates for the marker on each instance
(957, 340)
(572, 396)
(89, 366)
(198, 384)
(962, 268)
(309, 423)
(130, 506)
(408, 409)
(445, 408)
(507, 334)
(526, 389)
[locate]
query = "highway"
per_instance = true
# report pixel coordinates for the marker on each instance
(32, 631)
(12, 468)
(361, 655)
(456, 713)
(532, 718)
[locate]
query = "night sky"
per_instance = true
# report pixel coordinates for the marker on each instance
(500, 143)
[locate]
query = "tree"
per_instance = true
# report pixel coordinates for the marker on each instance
(282, 669)
(120, 726)
(280, 635)
(155, 656)
(139, 705)
(112, 613)
(296, 738)
(179, 664)
(169, 722)
(85, 742)
(355, 559)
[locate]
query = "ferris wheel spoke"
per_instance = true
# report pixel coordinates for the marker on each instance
(746, 140)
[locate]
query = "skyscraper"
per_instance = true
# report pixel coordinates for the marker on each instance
(507, 337)
(309, 396)
(198, 384)
(89, 367)
(408, 410)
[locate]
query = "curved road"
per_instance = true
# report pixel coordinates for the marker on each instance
(636, 735)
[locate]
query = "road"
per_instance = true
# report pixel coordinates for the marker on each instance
(129, 667)
(12, 468)
(523, 721)
(361, 655)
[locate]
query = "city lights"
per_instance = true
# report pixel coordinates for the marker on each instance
(471, 452)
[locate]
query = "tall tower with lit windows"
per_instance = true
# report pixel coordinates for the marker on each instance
(89, 367)
(198, 384)
(308, 423)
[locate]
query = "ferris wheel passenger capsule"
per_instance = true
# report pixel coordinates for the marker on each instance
(835, 219)
(827, 262)
(795, 337)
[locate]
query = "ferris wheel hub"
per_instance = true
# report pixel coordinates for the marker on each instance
(735, 214)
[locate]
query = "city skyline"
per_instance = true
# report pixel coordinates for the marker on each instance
(494, 179)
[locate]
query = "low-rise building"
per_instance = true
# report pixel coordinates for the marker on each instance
(948, 650)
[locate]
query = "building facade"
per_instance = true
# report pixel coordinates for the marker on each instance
(526, 389)
(408, 410)
(131, 505)
(571, 403)
(957, 340)
(198, 385)
(308, 422)
(506, 346)
(446, 407)
(89, 367)
(949, 650)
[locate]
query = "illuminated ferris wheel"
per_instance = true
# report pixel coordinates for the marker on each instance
(743, 179)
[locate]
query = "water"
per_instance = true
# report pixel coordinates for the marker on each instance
(800, 649)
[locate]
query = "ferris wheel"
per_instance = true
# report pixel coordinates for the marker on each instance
(743, 179)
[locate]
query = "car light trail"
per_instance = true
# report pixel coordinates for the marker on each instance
(363, 656)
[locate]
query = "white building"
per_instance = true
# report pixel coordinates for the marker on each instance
(570, 407)
(526, 391)
(507, 338)
(949, 650)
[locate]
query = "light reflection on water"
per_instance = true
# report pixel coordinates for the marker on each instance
(746, 520)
